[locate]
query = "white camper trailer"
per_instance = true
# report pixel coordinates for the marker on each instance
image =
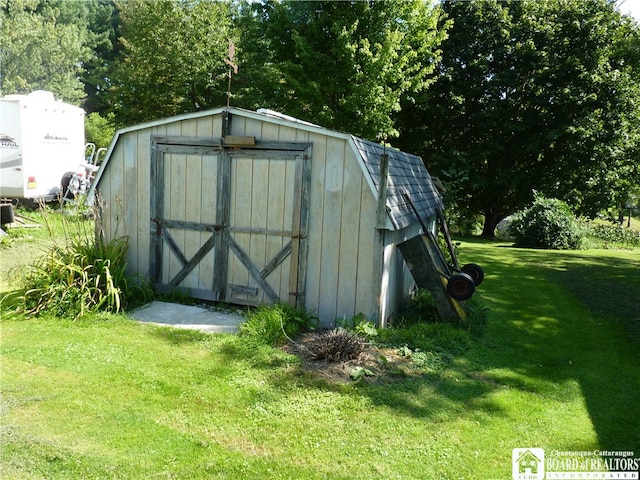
(41, 139)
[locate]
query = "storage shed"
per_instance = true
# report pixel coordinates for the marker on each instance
(257, 207)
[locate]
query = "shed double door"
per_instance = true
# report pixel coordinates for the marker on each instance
(229, 224)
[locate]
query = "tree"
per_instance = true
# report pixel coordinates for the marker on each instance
(343, 65)
(99, 130)
(531, 95)
(98, 20)
(103, 25)
(172, 58)
(39, 53)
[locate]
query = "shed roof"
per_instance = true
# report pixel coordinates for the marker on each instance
(407, 173)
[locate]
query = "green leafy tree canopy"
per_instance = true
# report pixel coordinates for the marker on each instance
(532, 95)
(37, 52)
(172, 58)
(343, 65)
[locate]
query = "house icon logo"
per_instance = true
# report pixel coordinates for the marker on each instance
(527, 463)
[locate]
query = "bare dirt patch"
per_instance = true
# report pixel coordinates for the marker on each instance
(373, 365)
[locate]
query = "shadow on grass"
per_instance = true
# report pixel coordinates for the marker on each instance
(427, 397)
(610, 288)
(559, 316)
(180, 336)
(556, 317)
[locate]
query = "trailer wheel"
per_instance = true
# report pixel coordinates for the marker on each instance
(67, 194)
(474, 271)
(460, 286)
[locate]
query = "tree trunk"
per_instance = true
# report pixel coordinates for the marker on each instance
(491, 220)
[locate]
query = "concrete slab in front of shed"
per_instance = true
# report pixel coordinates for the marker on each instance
(189, 317)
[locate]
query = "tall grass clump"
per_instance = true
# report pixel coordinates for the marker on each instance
(77, 275)
(274, 325)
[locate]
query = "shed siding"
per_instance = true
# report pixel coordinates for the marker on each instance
(329, 200)
(339, 266)
(140, 195)
(397, 282)
(350, 240)
(116, 185)
(129, 177)
(343, 245)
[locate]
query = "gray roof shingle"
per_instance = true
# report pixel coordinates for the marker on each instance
(407, 174)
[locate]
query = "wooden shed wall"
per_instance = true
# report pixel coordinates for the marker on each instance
(343, 248)
(397, 283)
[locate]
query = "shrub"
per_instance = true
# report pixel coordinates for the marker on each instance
(273, 325)
(616, 235)
(548, 223)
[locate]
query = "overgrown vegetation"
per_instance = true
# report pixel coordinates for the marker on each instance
(77, 274)
(273, 325)
(417, 335)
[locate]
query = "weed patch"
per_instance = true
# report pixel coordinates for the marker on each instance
(416, 344)
(76, 275)
(273, 325)
(437, 337)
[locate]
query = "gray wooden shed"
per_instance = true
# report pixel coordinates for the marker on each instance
(257, 207)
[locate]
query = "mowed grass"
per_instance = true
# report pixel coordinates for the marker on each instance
(557, 367)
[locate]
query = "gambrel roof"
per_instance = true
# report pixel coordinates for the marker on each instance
(407, 173)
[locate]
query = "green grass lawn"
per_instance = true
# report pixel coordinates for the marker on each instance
(557, 368)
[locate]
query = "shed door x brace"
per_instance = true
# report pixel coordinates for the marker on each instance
(230, 223)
